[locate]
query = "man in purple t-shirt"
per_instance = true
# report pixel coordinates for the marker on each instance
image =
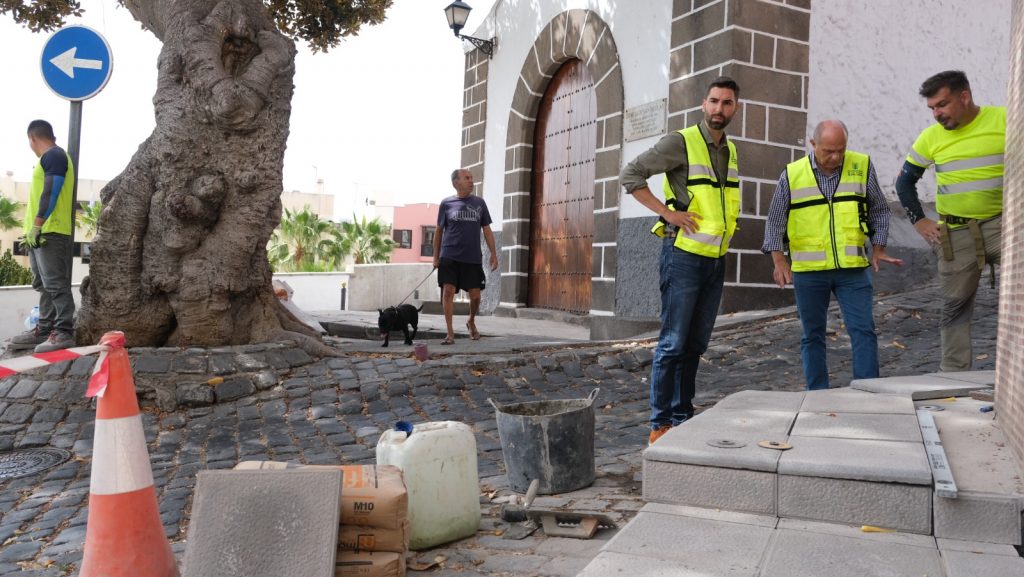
(457, 255)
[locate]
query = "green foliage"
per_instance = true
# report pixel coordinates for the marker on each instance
(40, 16)
(322, 23)
(304, 243)
(9, 213)
(367, 242)
(88, 218)
(12, 273)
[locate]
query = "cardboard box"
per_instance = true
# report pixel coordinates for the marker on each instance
(382, 564)
(371, 496)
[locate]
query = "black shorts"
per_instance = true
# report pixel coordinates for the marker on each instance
(464, 275)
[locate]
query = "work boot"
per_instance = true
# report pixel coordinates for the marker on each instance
(657, 434)
(56, 341)
(28, 339)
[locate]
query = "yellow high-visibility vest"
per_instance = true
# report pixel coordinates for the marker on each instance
(826, 235)
(717, 202)
(60, 219)
(968, 164)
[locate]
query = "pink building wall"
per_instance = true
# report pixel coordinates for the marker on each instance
(413, 217)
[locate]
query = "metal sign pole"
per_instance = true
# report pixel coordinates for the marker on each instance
(74, 142)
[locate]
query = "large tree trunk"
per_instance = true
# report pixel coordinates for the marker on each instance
(180, 257)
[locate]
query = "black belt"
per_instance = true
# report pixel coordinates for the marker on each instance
(956, 219)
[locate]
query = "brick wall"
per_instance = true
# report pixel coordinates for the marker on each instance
(1010, 343)
(474, 116)
(764, 46)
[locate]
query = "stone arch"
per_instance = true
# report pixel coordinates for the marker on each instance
(574, 34)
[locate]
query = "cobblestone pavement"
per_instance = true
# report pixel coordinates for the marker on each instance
(333, 410)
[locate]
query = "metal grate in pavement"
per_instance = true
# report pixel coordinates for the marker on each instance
(25, 462)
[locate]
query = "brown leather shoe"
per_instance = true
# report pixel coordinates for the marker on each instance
(657, 434)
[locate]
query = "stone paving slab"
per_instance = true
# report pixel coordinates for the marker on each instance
(979, 517)
(615, 564)
(696, 546)
(918, 387)
(867, 460)
(764, 422)
(712, 487)
(961, 564)
(692, 445)
(979, 456)
(888, 505)
(805, 554)
(985, 378)
(854, 531)
(248, 523)
(769, 521)
(848, 400)
(866, 426)
(788, 401)
(976, 547)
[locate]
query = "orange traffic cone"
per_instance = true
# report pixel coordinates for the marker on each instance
(124, 536)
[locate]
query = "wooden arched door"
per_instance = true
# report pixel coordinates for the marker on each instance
(562, 213)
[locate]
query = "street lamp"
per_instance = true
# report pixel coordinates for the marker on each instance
(457, 13)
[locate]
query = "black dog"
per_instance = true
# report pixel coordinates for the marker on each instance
(400, 317)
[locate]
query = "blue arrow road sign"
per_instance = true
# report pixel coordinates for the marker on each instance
(76, 63)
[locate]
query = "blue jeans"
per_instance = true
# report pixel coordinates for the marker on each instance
(853, 291)
(51, 277)
(691, 290)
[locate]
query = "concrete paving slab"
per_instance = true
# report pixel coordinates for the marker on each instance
(804, 554)
(855, 532)
(917, 387)
(848, 400)
(960, 564)
(282, 523)
(979, 517)
(976, 547)
(696, 546)
(979, 456)
(699, 445)
(777, 423)
(713, 487)
(608, 563)
(763, 400)
(867, 460)
(769, 521)
(986, 378)
(889, 505)
(858, 426)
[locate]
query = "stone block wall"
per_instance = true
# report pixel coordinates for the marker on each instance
(1010, 343)
(474, 116)
(764, 46)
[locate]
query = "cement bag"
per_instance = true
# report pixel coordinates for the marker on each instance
(371, 496)
(363, 538)
(383, 564)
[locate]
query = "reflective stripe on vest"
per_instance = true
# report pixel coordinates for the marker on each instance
(826, 235)
(968, 164)
(717, 203)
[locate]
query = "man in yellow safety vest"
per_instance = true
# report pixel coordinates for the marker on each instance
(696, 221)
(966, 147)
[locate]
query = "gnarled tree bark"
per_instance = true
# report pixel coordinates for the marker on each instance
(179, 257)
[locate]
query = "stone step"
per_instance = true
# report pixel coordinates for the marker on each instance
(671, 540)
(856, 458)
(988, 476)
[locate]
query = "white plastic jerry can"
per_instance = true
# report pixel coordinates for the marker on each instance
(438, 461)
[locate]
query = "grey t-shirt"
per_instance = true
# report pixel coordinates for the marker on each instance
(460, 220)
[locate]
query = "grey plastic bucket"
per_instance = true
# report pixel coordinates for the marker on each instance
(551, 441)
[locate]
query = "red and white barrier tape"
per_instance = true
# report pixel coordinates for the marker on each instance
(100, 371)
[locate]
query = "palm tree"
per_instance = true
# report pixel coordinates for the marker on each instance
(367, 242)
(89, 217)
(8, 213)
(303, 242)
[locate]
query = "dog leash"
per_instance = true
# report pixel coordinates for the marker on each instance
(417, 286)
